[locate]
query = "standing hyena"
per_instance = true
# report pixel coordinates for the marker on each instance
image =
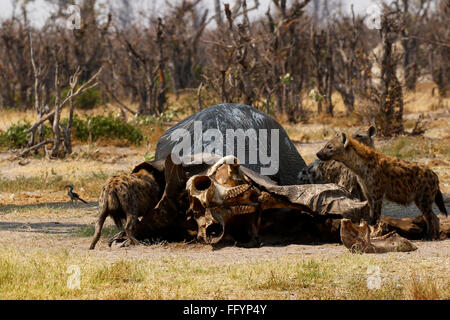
(320, 172)
(125, 197)
(400, 181)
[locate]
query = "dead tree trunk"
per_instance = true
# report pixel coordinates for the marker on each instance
(161, 67)
(55, 128)
(391, 97)
(37, 100)
(67, 130)
(329, 75)
(346, 50)
(323, 69)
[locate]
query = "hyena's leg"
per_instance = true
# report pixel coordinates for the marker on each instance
(424, 203)
(375, 212)
(98, 230)
(103, 211)
(130, 228)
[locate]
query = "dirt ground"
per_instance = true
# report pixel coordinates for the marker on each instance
(57, 225)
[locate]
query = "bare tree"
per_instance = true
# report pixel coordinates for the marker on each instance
(184, 27)
(322, 58)
(347, 49)
(271, 62)
(387, 96)
(56, 114)
(438, 46)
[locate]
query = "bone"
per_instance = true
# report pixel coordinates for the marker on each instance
(230, 159)
(237, 191)
(242, 209)
(357, 239)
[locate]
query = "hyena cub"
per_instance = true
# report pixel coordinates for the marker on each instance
(125, 197)
(320, 172)
(400, 181)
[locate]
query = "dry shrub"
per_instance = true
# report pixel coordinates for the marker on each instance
(422, 289)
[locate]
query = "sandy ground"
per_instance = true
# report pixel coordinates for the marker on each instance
(57, 229)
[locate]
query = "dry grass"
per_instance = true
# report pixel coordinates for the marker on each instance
(88, 231)
(409, 148)
(43, 275)
(90, 183)
(424, 98)
(425, 289)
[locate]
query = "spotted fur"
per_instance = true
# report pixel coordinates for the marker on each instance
(384, 176)
(125, 197)
(320, 172)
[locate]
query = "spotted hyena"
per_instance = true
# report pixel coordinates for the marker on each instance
(125, 197)
(320, 172)
(384, 176)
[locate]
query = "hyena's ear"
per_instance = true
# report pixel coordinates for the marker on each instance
(344, 139)
(372, 131)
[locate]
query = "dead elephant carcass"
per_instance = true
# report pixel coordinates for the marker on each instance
(216, 200)
(225, 200)
(228, 199)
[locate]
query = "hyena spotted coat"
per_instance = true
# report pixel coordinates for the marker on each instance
(125, 197)
(384, 176)
(320, 172)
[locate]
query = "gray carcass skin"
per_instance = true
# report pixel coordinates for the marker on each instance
(237, 116)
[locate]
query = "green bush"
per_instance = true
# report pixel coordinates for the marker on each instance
(96, 126)
(16, 136)
(87, 100)
(104, 127)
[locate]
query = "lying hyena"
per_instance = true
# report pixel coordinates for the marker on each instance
(125, 197)
(400, 181)
(320, 172)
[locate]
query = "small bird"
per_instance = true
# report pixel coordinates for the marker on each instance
(73, 195)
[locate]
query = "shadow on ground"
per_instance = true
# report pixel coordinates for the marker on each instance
(49, 205)
(45, 227)
(41, 227)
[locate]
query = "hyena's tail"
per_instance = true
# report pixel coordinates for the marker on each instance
(439, 199)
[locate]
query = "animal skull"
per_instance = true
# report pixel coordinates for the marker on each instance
(218, 196)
